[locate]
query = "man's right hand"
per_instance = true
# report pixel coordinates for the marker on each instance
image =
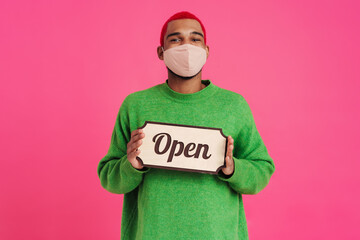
(132, 148)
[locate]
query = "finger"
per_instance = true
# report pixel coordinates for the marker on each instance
(138, 136)
(229, 147)
(135, 145)
(227, 153)
(229, 162)
(133, 154)
(232, 148)
(231, 143)
(135, 132)
(231, 140)
(135, 137)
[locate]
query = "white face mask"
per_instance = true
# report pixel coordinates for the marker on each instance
(185, 60)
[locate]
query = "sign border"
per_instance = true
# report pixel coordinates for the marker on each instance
(185, 169)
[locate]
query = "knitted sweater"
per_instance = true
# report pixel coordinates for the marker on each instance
(173, 204)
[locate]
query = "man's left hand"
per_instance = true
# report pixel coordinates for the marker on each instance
(229, 161)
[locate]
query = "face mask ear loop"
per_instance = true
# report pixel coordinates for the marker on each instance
(163, 49)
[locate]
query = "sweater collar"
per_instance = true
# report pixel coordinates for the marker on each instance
(204, 93)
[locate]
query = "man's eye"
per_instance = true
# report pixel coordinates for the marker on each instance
(196, 39)
(172, 40)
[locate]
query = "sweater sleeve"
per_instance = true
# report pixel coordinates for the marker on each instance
(253, 165)
(116, 173)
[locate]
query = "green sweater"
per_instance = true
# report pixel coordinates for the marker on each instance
(172, 204)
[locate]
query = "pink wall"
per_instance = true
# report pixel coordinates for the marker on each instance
(66, 66)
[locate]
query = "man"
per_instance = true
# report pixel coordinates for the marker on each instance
(172, 204)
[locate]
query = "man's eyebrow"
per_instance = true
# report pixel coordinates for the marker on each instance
(197, 33)
(178, 33)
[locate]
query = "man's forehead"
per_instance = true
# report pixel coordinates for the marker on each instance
(179, 25)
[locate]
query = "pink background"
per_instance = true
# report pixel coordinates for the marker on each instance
(66, 66)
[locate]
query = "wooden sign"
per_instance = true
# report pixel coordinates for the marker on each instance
(183, 147)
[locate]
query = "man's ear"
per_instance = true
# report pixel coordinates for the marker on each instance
(207, 51)
(160, 53)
